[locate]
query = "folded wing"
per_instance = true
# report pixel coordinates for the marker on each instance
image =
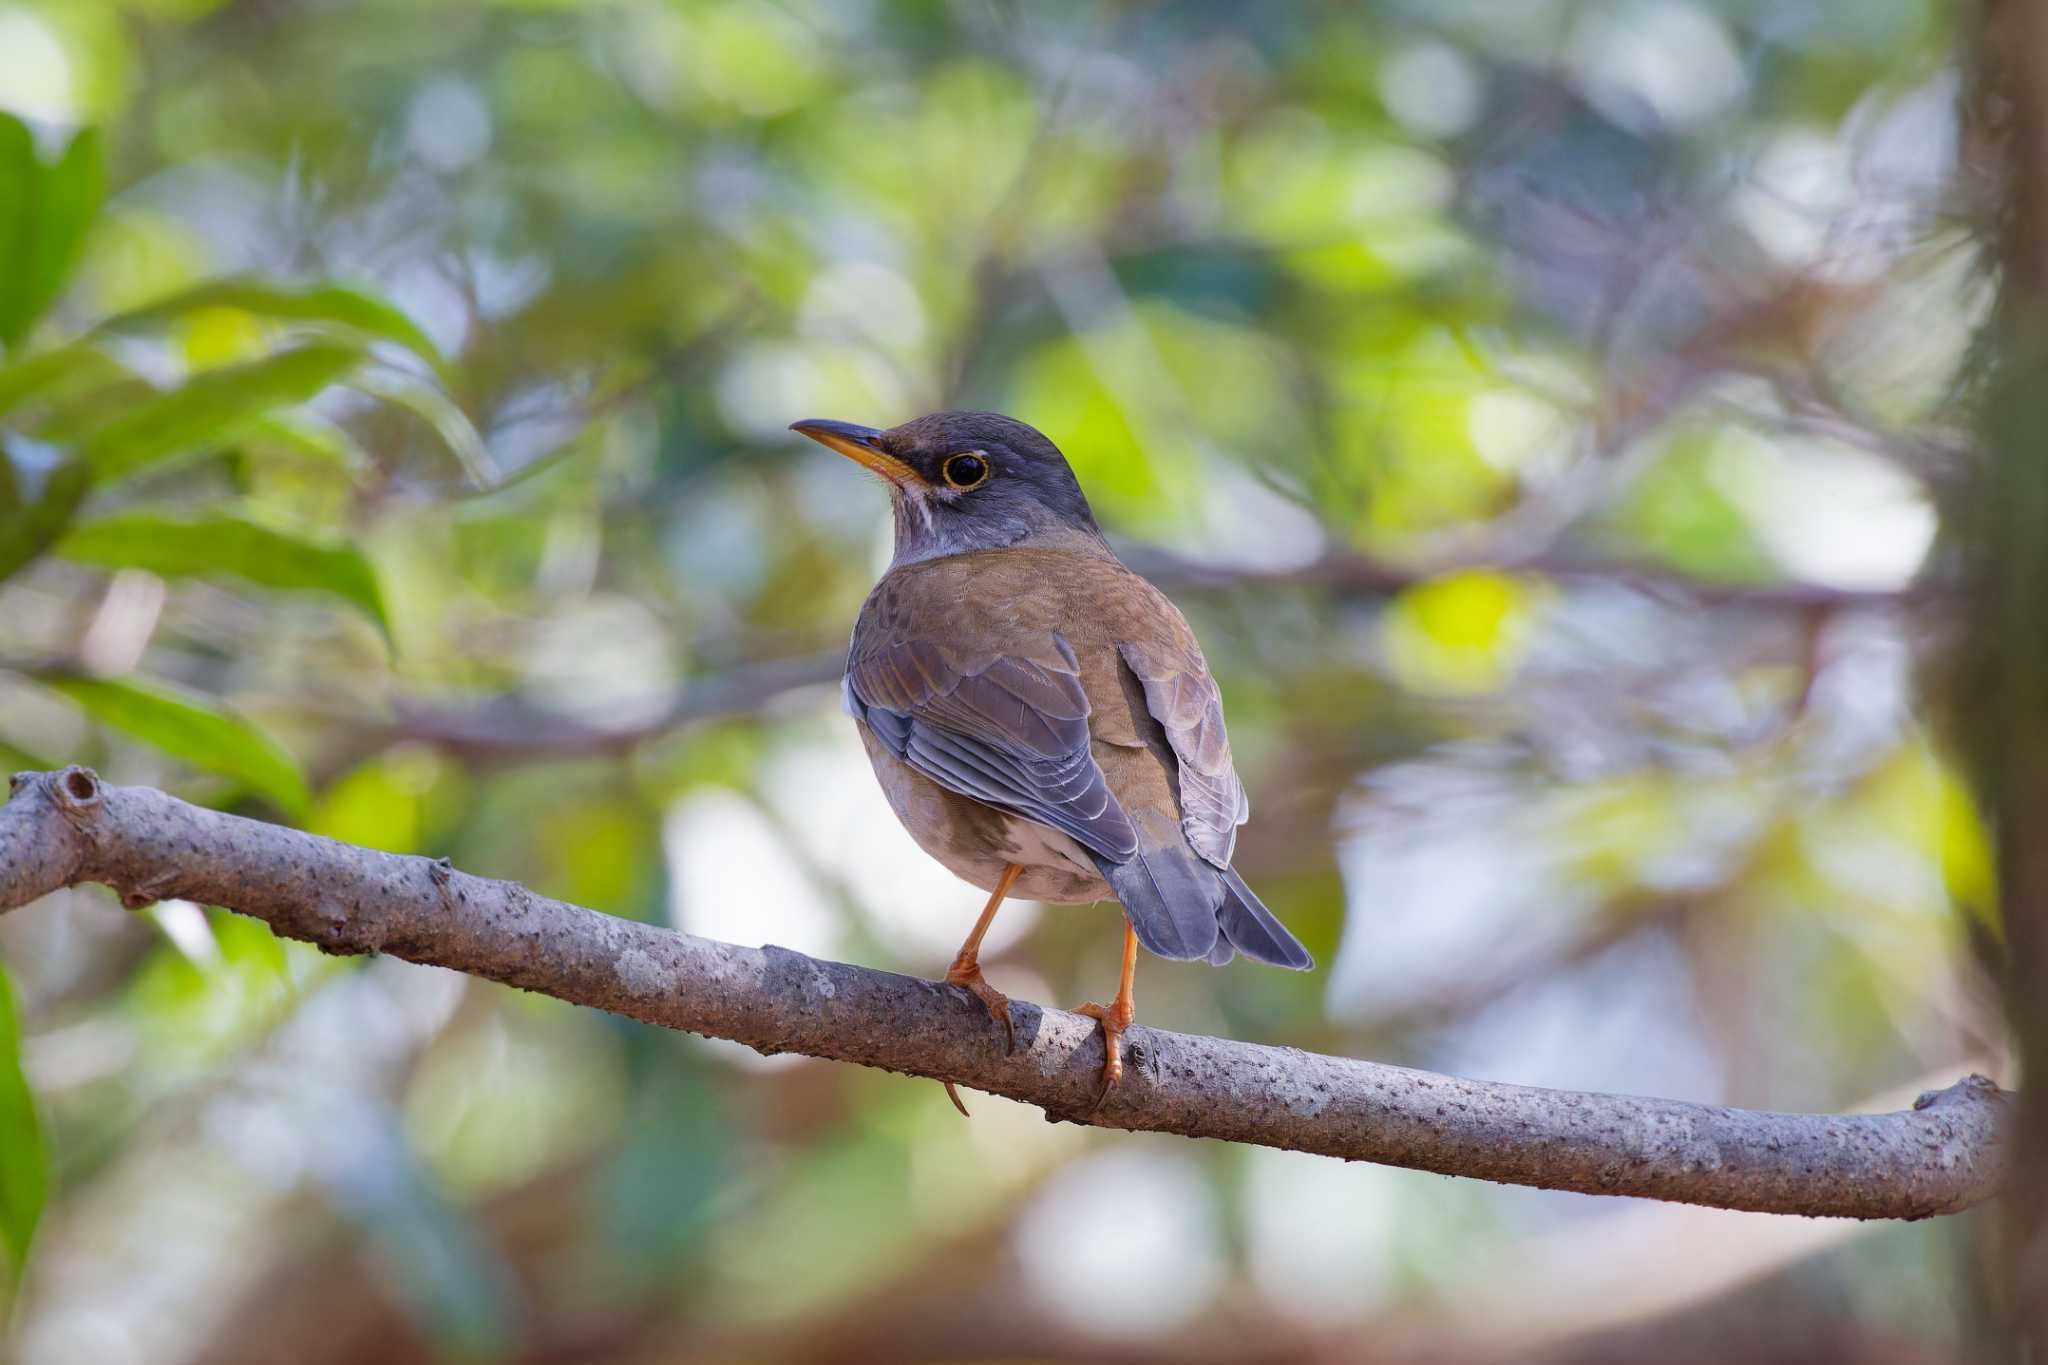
(1007, 731)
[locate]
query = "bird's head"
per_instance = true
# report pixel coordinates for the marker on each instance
(964, 481)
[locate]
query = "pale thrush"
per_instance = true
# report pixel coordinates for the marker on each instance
(1041, 718)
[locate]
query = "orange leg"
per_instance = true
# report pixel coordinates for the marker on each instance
(1115, 1017)
(966, 970)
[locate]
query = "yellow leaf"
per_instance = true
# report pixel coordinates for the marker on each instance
(1967, 865)
(1461, 634)
(221, 336)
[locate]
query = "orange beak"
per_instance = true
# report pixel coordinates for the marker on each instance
(861, 445)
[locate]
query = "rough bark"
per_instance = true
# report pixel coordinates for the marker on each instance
(66, 828)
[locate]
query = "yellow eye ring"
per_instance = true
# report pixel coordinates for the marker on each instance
(968, 469)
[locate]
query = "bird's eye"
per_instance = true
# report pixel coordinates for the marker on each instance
(966, 470)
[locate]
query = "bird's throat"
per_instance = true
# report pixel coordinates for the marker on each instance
(930, 527)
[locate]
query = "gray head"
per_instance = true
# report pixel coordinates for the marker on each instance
(965, 481)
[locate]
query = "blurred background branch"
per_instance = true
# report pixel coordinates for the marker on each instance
(500, 729)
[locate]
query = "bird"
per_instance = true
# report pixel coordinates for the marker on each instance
(1041, 717)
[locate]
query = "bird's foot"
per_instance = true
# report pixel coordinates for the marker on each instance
(1114, 1018)
(968, 974)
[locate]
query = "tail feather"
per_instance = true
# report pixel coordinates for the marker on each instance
(1251, 928)
(1172, 898)
(1185, 908)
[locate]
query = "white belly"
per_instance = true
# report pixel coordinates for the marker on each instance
(1056, 868)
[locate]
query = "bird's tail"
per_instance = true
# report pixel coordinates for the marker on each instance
(1171, 896)
(1248, 926)
(1184, 908)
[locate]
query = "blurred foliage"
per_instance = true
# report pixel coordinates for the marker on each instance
(1541, 410)
(25, 1173)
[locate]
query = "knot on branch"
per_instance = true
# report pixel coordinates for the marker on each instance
(79, 796)
(78, 790)
(73, 788)
(75, 792)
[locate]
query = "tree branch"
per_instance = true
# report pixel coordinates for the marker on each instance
(66, 828)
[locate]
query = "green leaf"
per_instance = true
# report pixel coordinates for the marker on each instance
(27, 528)
(72, 190)
(333, 305)
(227, 545)
(213, 407)
(44, 214)
(63, 369)
(194, 728)
(20, 176)
(24, 1157)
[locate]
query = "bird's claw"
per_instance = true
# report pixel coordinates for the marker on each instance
(997, 1004)
(1114, 1020)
